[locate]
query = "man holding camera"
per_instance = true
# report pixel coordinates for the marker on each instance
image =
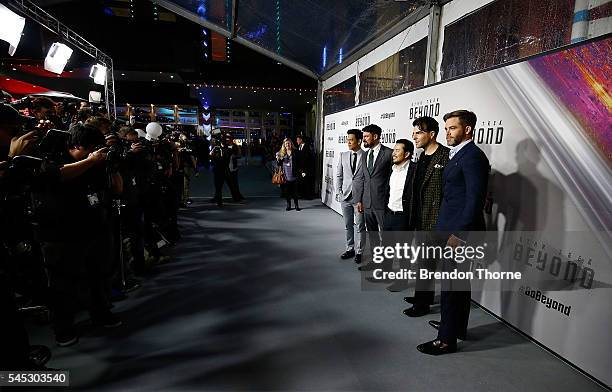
(75, 233)
(16, 352)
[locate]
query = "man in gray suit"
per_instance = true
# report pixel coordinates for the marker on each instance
(371, 185)
(349, 165)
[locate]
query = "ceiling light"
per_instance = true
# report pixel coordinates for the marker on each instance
(12, 28)
(57, 58)
(98, 73)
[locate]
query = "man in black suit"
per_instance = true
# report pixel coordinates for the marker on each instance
(371, 186)
(305, 180)
(465, 188)
(397, 214)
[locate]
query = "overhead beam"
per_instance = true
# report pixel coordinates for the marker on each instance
(243, 41)
(281, 59)
(234, 18)
(170, 6)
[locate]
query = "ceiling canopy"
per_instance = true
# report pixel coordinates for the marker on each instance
(313, 36)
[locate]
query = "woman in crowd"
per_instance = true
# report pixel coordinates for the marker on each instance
(286, 158)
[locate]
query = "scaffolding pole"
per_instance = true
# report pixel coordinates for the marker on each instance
(42, 17)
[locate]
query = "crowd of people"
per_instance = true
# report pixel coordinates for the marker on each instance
(88, 206)
(437, 199)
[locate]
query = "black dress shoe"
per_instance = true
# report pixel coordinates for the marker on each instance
(435, 347)
(436, 325)
(357, 259)
(39, 355)
(410, 300)
(347, 255)
(398, 285)
(368, 267)
(416, 311)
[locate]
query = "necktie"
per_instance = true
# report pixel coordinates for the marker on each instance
(354, 162)
(370, 161)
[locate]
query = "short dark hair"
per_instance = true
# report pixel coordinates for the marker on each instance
(465, 117)
(85, 136)
(408, 146)
(427, 124)
(98, 122)
(372, 128)
(355, 132)
(42, 103)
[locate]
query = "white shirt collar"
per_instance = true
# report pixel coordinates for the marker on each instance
(402, 166)
(454, 150)
(376, 149)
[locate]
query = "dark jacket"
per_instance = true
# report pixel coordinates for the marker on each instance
(465, 189)
(431, 189)
(373, 189)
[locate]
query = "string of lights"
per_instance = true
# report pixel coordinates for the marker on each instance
(255, 88)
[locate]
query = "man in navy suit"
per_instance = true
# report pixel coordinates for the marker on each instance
(465, 188)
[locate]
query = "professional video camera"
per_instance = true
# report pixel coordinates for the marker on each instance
(53, 145)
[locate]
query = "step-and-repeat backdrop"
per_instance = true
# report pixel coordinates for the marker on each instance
(545, 125)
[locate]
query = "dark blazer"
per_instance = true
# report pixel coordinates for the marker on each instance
(431, 189)
(373, 189)
(465, 188)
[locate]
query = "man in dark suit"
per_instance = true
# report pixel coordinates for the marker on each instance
(371, 186)
(465, 188)
(425, 204)
(305, 180)
(397, 213)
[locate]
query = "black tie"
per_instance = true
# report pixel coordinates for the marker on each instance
(370, 161)
(354, 162)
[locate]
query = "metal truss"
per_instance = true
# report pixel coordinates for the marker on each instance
(32, 11)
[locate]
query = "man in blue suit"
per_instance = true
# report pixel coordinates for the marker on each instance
(464, 192)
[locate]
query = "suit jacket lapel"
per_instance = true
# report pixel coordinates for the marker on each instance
(437, 156)
(378, 158)
(359, 154)
(453, 162)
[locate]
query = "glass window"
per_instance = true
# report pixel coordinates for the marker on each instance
(339, 97)
(318, 33)
(504, 31)
(403, 71)
(238, 113)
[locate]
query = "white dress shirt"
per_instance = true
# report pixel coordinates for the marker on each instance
(396, 186)
(454, 150)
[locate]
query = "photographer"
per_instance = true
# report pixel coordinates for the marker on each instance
(134, 174)
(188, 166)
(75, 232)
(16, 353)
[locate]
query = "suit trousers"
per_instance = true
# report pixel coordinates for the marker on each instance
(424, 291)
(455, 302)
(353, 220)
(375, 222)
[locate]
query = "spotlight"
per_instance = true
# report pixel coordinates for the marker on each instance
(12, 27)
(95, 97)
(98, 73)
(57, 58)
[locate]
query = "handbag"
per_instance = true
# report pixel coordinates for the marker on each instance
(278, 178)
